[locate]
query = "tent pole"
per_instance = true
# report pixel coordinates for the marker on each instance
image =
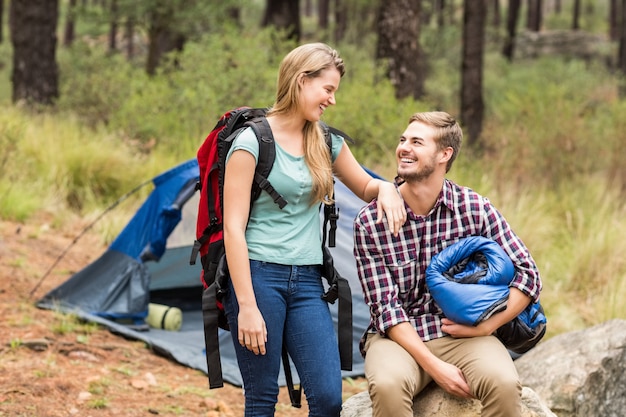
(82, 233)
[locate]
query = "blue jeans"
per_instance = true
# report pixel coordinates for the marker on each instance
(289, 297)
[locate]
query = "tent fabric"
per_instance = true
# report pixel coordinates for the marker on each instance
(148, 262)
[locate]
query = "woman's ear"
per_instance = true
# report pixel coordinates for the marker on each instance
(301, 79)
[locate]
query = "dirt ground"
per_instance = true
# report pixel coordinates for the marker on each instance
(53, 366)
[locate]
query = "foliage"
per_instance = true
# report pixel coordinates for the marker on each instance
(182, 103)
(6, 58)
(593, 16)
(557, 120)
(176, 107)
(77, 168)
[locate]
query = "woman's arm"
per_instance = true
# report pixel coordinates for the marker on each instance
(389, 202)
(238, 179)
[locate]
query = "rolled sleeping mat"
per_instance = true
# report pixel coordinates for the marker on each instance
(164, 317)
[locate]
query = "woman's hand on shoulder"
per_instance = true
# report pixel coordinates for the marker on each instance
(390, 204)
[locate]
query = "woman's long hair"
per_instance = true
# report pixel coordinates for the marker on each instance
(309, 59)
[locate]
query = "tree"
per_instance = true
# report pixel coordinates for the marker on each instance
(576, 17)
(323, 10)
(341, 20)
(621, 60)
(472, 103)
(512, 17)
(440, 7)
(284, 14)
(129, 35)
(1, 20)
(398, 43)
(35, 75)
(70, 23)
(162, 33)
(113, 25)
(496, 13)
(534, 16)
(613, 21)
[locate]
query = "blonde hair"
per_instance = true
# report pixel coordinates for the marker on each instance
(449, 133)
(308, 59)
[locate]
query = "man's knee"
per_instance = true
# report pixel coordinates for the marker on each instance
(391, 386)
(499, 385)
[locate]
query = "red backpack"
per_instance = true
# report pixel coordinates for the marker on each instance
(210, 239)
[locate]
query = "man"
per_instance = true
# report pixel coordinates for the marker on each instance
(409, 342)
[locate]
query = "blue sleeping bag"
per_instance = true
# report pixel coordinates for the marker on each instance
(482, 263)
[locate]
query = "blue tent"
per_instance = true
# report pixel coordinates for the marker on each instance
(149, 263)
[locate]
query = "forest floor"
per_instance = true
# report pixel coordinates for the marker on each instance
(53, 366)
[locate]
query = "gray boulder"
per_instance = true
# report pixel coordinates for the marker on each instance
(580, 374)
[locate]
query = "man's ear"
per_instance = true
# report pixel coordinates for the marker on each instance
(446, 154)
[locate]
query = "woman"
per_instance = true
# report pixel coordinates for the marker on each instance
(274, 255)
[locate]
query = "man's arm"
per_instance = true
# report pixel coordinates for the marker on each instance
(527, 278)
(516, 303)
(380, 290)
(387, 315)
(447, 376)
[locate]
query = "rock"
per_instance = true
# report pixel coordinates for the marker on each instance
(580, 373)
(435, 402)
(564, 43)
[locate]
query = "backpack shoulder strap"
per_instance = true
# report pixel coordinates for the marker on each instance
(339, 287)
(331, 213)
(267, 155)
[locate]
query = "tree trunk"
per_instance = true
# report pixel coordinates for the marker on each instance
(113, 22)
(35, 74)
(496, 13)
(129, 35)
(398, 43)
(533, 22)
(284, 14)
(576, 17)
(323, 10)
(1, 21)
(162, 37)
(511, 24)
(621, 60)
(440, 9)
(613, 21)
(472, 104)
(70, 22)
(341, 20)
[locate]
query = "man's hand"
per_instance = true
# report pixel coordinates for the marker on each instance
(451, 379)
(460, 330)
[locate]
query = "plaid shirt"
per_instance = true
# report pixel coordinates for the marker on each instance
(392, 269)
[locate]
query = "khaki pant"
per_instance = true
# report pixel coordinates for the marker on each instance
(394, 378)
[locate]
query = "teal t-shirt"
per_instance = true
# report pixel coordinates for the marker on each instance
(291, 235)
